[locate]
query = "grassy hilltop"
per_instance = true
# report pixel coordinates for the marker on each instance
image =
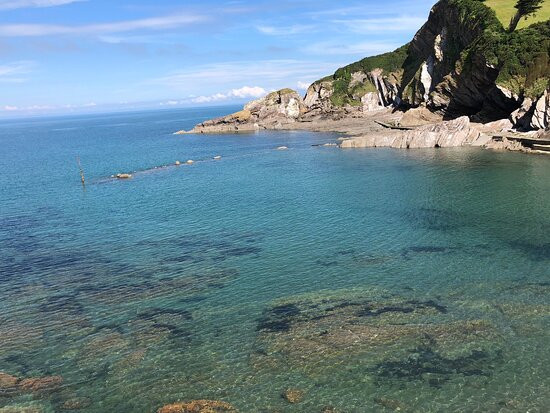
(505, 10)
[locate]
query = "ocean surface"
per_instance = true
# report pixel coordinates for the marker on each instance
(373, 280)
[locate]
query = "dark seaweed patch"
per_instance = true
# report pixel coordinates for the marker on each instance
(537, 252)
(368, 311)
(278, 319)
(407, 308)
(175, 332)
(429, 304)
(434, 219)
(424, 364)
(61, 303)
(19, 361)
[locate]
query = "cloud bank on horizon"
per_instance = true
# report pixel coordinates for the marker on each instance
(60, 56)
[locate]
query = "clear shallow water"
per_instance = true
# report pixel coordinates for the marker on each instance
(371, 280)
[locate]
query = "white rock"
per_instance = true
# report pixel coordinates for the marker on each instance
(292, 109)
(371, 102)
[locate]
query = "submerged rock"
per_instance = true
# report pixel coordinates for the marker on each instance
(311, 331)
(198, 406)
(41, 384)
(8, 384)
(24, 408)
(391, 404)
(293, 395)
(77, 403)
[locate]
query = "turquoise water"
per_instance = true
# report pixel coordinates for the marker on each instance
(369, 280)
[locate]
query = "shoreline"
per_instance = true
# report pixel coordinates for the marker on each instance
(414, 129)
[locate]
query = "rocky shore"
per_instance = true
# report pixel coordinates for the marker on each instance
(443, 89)
(384, 127)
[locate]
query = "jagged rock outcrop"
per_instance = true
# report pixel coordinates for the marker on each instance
(270, 112)
(318, 97)
(461, 62)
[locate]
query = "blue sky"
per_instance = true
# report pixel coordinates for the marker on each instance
(60, 56)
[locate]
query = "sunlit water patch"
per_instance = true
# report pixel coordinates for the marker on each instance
(306, 280)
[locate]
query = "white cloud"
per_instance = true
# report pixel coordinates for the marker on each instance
(273, 74)
(247, 92)
(153, 23)
(19, 4)
(362, 49)
(171, 103)
(303, 85)
(12, 72)
(45, 108)
(244, 92)
(286, 31)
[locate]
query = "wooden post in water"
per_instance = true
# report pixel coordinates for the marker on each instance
(81, 171)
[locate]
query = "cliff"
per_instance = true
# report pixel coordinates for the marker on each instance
(462, 62)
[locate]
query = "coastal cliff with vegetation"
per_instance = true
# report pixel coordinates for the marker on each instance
(464, 62)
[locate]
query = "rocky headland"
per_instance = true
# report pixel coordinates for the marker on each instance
(463, 80)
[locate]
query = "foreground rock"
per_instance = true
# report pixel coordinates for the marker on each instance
(41, 384)
(293, 395)
(270, 112)
(198, 406)
(8, 384)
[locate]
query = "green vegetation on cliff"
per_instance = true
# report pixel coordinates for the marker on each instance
(522, 58)
(344, 94)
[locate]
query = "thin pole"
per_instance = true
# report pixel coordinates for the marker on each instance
(81, 171)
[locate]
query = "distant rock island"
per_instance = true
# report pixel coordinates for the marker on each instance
(464, 79)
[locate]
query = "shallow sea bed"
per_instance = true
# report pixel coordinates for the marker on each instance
(344, 281)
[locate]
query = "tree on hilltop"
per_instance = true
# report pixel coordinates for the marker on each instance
(525, 8)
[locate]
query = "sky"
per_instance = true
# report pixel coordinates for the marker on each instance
(72, 56)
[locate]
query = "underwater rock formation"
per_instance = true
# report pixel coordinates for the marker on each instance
(300, 331)
(293, 395)
(198, 406)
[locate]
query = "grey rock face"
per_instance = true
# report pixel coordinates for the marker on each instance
(458, 132)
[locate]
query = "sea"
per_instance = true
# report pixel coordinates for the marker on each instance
(311, 279)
